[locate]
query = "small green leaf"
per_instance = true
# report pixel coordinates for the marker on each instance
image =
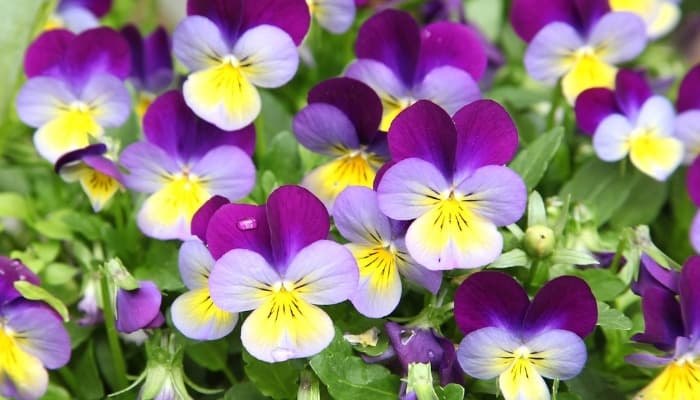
(13, 205)
(605, 285)
(210, 355)
(536, 213)
(634, 213)
(452, 391)
(86, 368)
(278, 380)
(611, 318)
(245, 390)
(573, 257)
(532, 162)
(513, 258)
(32, 292)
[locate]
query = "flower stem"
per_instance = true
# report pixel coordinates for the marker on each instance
(555, 103)
(112, 336)
(617, 259)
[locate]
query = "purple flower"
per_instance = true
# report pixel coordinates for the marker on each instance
(139, 308)
(234, 46)
(182, 163)
(660, 16)
(631, 120)
(672, 325)
(275, 260)
(194, 313)
(521, 341)
(335, 16)
(378, 245)
(99, 177)
(693, 185)
(342, 121)
(32, 337)
(75, 88)
(79, 15)
(90, 305)
(578, 41)
(688, 120)
(449, 177)
(404, 63)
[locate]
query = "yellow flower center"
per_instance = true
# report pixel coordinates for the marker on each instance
(679, 380)
(20, 367)
(392, 107)
(587, 71)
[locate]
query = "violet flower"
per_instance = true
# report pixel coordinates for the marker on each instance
(78, 15)
(341, 121)
(660, 16)
(632, 120)
(75, 88)
(688, 120)
(449, 177)
(182, 163)
(404, 63)
(378, 245)
(577, 41)
(275, 261)
(32, 337)
(233, 47)
(139, 308)
(521, 341)
(671, 324)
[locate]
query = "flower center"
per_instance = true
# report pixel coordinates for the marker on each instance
(678, 381)
(392, 107)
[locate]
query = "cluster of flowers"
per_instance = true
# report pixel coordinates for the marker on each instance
(415, 184)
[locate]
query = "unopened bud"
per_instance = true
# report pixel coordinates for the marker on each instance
(539, 241)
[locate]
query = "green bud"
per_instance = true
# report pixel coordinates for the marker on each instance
(308, 387)
(420, 381)
(539, 241)
(120, 275)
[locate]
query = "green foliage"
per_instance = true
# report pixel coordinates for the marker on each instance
(279, 380)
(531, 163)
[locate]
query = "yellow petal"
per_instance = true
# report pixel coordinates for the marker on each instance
(71, 130)
(98, 187)
(666, 19)
(24, 371)
(588, 72)
(392, 107)
(679, 381)
(197, 317)
(328, 180)
(522, 382)
(656, 156)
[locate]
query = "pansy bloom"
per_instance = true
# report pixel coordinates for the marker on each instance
(632, 120)
(670, 303)
(521, 341)
(577, 41)
(693, 185)
(78, 15)
(688, 120)
(404, 63)
(139, 308)
(380, 251)
(151, 64)
(449, 177)
(75, 88)
(32, 337)
(660, 16)
(182, 163)
(194, 313)
(275, 260)
(335, 16)
(342, 121)
(232, 47)
(99, 177)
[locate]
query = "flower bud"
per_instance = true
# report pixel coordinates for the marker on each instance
(539, 241)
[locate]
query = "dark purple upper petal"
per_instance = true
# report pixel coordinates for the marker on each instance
(490, 298)
(690, 297)
(662, 318)
(47, 51)
(239, 226)
(631, 91)
(97, 51)
(563, 303)
(592, 106)
(393, 38)
(136, 309)
(693, 181)
(10, 272)
(486, 135)
(651, 274)
(174, 127)
(424, 130)
(98, 7)
(237, 16)
(151, 63)
(201, 218)
(296, 218)
(529, 16)
(357, 100)
(449, 369)
(449, 43)
(77, 155)
(588, 12)
(688, 97)
(105, 166)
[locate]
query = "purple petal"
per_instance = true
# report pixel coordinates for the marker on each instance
(195, 264)
(695, 232)
(425, 131)
(590, 11)
(136, 309)
(651, 274)
(393, 38)
(357, 216)
(99, 50)
(296, 219)
(355, 99)
(593, 106)
(688, 92)
(41, 330)
(325, 129)
(622, 36)
(550, 54)
(200, 220)
(109, 99)
(451, 44)
(104, 166)
(486, 135)
(151, 63)
(479, 302)
(689, 290)
(693, 181)
(148, 167)
(530, 16)
(449, 369)
(40, 98)
(47, 51)
(12, 271)
(662, 319)
(97, 7)
(448, 87)
(563, 303)
(198, 43)
(648, 360)
(414, 345)
(239, 226)
(227, 171)
(632, 90)
(415, 272)
(563, 353)
(484, 353)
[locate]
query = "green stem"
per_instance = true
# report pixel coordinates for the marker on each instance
(556, 101)
(534, 269)
(112, 335)
(229, 375)
(68, 377)
(615, 264)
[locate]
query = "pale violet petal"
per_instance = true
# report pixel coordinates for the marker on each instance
(688, 132)
(198, 43)
(657, 114)
(195, 263)
(487, 352)
(449, 87)
(610, 138)
(268, 56)
(335, 16)
(41, 98)
(618, 37)
(561, 354)
(550, 53)
(357, 216)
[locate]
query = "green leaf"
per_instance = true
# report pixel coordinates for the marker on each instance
(244, 390)
(513, 258)
(56, 274)
(573, 257)
(452, 391)
(532, 162)
(210, 355)
(348, 377)
(86, 369)
(13, 205)
(611, 318)
(605, 285)
(282, 158)
(640, 212)
(279, 380)
(32, 292)
(536, 213)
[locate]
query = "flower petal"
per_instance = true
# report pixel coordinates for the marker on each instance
(379, 289)
(610, 140)
(268, 56)
(197, 317)
(328, 180)
(137, 308)
(688, 91)
(529, 16)
(663, 322)
(693, 182)
(335, 16)
(618, 37)
(631, 92)
(550, 54)
(67, 132)
(200, 219)
(108, 99)
(357, 216)
(495, 193)
(690, 296)
(325, 129)
(243, 226)
(487, 352)
(415, 272)
(226, 171)
(593, 106)
(688, 131)
(449, 87)
(97, 51)
(451, 44)
(13, 270)
(561, 354)
(25, 378)
(46, 51)
(522, 382)
(198, 43)
(148, 165)
(40, 99)
(195, 263)
(695, 232)
(657, 157)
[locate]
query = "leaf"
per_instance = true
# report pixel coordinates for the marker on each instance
(605, 285)
(610, 318)
(536, 213)
(13, 205)
(348, 377)
(32, 292)
(90, 386)
(573, 257)
(532, 163)
(644, 211)
(452, 391)
(282, 158)
(244, 390)
(279, 380)
(210, 355)
(513, 258)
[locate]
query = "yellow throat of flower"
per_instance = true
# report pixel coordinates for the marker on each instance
(392, 107)
(680, 380)
(587, 70)
(16, 365)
